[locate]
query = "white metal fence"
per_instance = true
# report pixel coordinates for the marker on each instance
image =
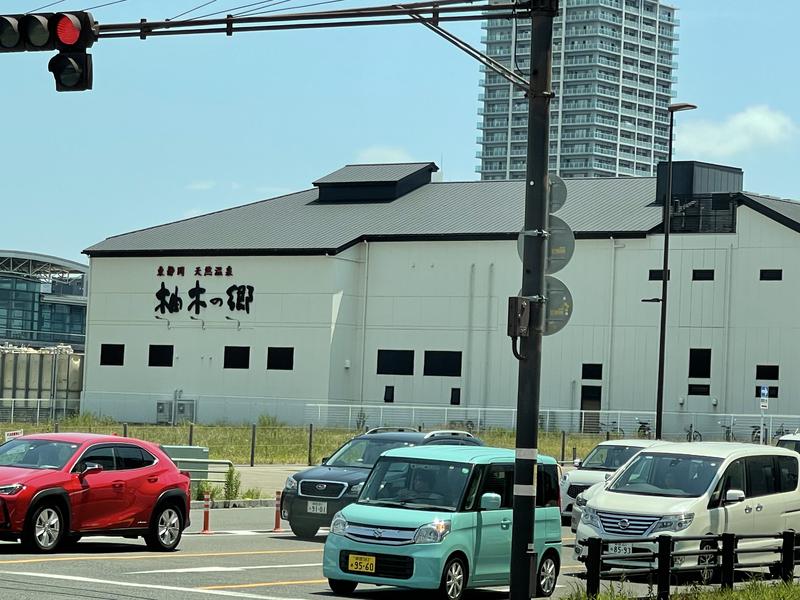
(35, 410)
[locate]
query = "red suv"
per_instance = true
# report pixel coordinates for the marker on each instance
(57, 487)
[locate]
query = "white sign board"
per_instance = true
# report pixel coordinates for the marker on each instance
(764, 404)
(10, 435)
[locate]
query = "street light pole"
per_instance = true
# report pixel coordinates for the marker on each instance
(667, 217)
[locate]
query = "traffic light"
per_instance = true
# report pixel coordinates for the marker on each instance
(69, 33)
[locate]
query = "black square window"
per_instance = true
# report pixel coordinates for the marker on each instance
(442, 363)
(767, 372)
(160, 356)
(656, 274)
(395, 362)
(771, 274)
(696, 389)
(703, 275)
(592, 371)
(455, 396)
(280, 359)
(388, 393)
(237, 357)
(772, 391)
(700, 363)
(112, 355)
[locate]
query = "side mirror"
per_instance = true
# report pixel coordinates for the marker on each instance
(324, 460)
(734, 496)
(577, 462)
(490, 501)
(90, 469)
(609, 476)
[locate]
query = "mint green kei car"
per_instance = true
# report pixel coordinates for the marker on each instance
(439, 518)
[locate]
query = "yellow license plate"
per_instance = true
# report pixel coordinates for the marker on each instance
(361, 563)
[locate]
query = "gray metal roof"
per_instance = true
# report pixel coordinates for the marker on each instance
(375, 173)
(484, 209)
(785, 211)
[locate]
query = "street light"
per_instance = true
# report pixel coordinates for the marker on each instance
(672, 108)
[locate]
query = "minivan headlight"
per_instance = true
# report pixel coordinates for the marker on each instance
(339, 524)
(432, 533)
(580, 501)
(589, 516)
(674, 522)
(10, 490)
(291, 483)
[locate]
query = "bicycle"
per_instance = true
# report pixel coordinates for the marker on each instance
(692, 435)
(644, 430)
(611, 427)
(729, 436)
(779, 432)
(755, 434)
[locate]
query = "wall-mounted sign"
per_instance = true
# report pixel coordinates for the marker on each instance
(237, 298)
(204, 271)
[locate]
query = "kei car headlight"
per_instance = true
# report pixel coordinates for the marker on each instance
(432, 533)
(674, 522)
(10, 490)
(339, 524)
(356, 489)
(580, 501)
(589, 516)
(291, 483)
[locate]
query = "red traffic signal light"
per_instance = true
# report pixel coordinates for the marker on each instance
(68, 29)
(47, 31)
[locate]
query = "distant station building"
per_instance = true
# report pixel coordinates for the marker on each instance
(379, 289)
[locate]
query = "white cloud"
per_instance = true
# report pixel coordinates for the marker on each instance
(383, 154)
(201, 186)
(752, 128)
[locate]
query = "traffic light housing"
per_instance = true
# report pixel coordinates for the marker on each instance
(71, 33)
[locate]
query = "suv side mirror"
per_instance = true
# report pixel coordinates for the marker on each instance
(577, 462)
(490, 501)
(734, 496)
(90, 469)
(324, 460)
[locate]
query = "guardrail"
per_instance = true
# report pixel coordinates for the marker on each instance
(204, 473)
(722, 547)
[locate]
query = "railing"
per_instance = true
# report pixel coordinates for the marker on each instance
(201, 469)
(668, 562)
(37, 410)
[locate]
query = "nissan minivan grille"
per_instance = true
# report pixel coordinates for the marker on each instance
(322, 489)
(626, 524)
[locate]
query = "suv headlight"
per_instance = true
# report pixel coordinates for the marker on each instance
(339, 524)
(291, 483)
(432, 533)
(580, 501)
(355, 489)
(674, 522)
(10, 490)
(589, 516)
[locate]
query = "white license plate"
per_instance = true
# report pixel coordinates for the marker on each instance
(317, 508)
(620, 549)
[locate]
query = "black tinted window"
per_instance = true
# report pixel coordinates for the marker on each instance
(500, 480)
(546, 486)
(132, 457)
(761, 476)
(99, 456)
(733, 479)
(787, 465)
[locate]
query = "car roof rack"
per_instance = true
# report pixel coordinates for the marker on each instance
(396, 429)
(448, 433)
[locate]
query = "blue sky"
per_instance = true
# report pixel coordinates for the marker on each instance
(180, 126)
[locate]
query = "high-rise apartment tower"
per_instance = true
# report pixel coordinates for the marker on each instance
(613, 77)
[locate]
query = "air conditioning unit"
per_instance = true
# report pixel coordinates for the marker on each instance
(164, 413)
(184, 411)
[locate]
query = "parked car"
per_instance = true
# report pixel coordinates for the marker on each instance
(602, 461)
(311, 497)
(696, 489)
(790, 441)
(580, 502)
(57, 487)
(440, 519)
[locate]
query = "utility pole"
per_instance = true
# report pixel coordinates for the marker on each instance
(523, 557)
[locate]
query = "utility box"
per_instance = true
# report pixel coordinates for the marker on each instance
(197, 470)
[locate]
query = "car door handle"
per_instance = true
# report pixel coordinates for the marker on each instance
(152, 479)
(505, 523)
(759, 507)
(748, 509)
(118, 485)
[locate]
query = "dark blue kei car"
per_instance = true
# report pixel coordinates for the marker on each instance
(311, 497)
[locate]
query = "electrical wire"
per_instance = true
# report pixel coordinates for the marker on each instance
(287, 7)
(191, 10)
(106, 4)
(45, 6)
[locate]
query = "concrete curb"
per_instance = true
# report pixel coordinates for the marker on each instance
(198, 504)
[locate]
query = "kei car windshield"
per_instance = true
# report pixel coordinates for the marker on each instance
(609, 457)
(36, 454)
(362, 452)
(416, 484)
(672, 475)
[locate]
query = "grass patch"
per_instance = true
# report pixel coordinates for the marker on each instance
(754, 590)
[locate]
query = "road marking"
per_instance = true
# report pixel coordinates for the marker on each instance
(265, 584)
(217, 569)
(22, 561)
(208, 592)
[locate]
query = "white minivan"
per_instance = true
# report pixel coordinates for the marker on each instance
(695, 489)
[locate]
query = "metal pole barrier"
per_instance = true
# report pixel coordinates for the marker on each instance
(55, 427)
(310, 444)
(124, 430)
(206, 513)
(608, 435)
(191, 434)
(664, 566)
(594, 564)
(253, 445)
(563, 446)
(787, 556)
(277, 526)
(574, 453)
(728, 560)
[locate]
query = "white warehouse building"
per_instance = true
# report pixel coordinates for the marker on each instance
(380, 290)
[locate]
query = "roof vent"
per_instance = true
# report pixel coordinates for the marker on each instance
(373, 183)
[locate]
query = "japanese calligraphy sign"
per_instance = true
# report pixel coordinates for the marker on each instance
(170, 298)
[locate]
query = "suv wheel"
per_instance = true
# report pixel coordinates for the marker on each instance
(454, 579)
(166, 529)
(547, 576)
(45, 529)
(303, 530)
(342, 587)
